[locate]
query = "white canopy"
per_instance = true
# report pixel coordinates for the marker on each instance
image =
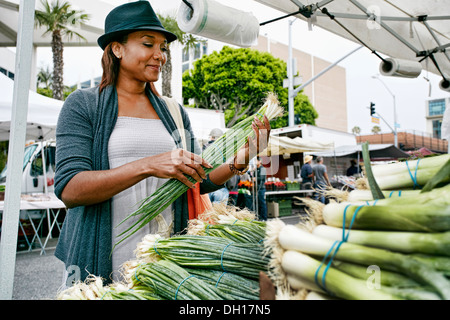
(375, 151)
(285, 145)
(402, 29)
(42, 115)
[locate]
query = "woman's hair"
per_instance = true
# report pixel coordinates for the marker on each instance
(111, 66)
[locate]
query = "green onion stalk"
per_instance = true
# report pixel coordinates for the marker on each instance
(216, 154)
(245, 259)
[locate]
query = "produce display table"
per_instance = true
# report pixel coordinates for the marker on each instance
(284, 200)
(49, 206)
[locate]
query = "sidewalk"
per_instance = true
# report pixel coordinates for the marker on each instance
(37, 277)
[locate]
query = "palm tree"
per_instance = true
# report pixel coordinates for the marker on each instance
(356, 130)
(44, 77)
(376, 129)
(185, 39)
(59, 18)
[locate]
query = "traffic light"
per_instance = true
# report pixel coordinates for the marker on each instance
(372, 108)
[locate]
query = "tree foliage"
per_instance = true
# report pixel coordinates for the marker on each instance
(236, 81)
(59, 19)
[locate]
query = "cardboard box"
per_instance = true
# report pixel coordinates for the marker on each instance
(273, 209)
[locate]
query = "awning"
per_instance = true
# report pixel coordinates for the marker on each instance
(415, 30)
(285, 145)
(42, 114)
(380, 151)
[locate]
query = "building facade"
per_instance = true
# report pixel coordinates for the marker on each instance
(434, 115)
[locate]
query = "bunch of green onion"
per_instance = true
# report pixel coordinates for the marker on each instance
(236, 286)
(216, 154)
(93, 289)
(172, 282)
(230, 228)
(216, 253)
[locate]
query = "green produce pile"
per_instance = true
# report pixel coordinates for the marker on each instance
(219, 265)
(391, 248)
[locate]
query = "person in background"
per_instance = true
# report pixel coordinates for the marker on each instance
(353, 169)
(321, 179)
(261, 189)
(233, 188)
(307, 174)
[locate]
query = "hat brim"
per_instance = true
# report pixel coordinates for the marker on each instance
(105, 39)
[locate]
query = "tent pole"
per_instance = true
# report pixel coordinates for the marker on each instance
(11, 212)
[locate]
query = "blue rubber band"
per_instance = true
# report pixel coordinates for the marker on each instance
(217, 283)
(414, 178)
(259, 114)
(375, 202)
(176, 292)
(105, 294)
(399, 193)
(154, 247)
(390, 194)
(135, 275)
(235, 221)
(316, 274)
(338, 243)
(221, 256)
(328, 266)
(207, 229)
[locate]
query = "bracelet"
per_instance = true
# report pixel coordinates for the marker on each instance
(235, 170)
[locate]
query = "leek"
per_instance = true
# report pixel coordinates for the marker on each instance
(293, 238)
(337, 283)
(409, 174)
(405, 242)
(227, 145)
(411, 217)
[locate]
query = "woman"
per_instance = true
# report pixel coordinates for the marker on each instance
(115, 147)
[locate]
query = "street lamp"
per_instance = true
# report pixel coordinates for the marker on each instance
(395, 108)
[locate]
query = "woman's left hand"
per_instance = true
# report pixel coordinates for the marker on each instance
(254, 145)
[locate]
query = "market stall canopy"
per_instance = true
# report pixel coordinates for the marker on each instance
(91, 30)
(414, 30)
(42, 115)
(380, 151)
(285, 145)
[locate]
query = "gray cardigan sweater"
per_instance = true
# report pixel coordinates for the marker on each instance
(84, 126)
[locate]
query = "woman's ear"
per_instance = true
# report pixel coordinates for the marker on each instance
(116, 48)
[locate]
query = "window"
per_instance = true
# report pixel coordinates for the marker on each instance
(436, 107)
(195, 53)
(437, 124)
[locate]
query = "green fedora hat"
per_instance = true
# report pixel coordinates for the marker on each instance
(130, 17)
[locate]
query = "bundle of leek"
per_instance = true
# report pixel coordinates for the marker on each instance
(409, 174)
(298, 265)
(245, 259)
(216, 154)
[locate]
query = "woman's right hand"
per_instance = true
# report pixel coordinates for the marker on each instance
(175, 164)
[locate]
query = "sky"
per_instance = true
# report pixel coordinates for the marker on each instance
(411, 95)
